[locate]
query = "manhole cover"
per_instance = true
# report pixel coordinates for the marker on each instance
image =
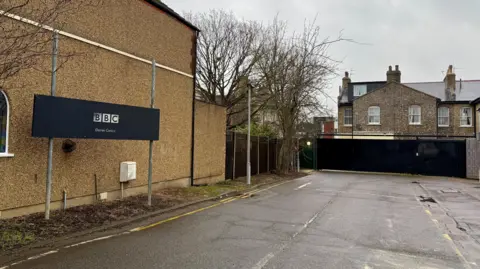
(450, 191)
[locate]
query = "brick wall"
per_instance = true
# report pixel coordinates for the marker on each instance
(342, 129)
(210, 143)
(394, 99)
(454, 127)
(477, 107)
(473, 158)
(100, 75)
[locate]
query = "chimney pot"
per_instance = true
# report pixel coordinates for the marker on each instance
(450, 84)
(394, 75)
(345, 81)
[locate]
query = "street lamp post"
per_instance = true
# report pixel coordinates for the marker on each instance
(249, 172)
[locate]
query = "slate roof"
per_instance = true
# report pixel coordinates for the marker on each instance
(466, 90)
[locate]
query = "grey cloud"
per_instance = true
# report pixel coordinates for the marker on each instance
(422, 36)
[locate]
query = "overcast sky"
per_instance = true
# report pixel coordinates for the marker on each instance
(422, 36)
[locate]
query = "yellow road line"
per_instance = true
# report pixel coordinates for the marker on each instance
(446, 236)
(226, 200)
(182, 215)
(221, 202)
(451, 242)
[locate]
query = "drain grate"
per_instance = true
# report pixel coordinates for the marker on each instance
(427, 199)
(450, 191)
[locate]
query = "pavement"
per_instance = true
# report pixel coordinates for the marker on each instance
(324, 220)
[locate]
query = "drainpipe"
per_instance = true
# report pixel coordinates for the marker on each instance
(192, 152)
(438, 106)
(474, 109)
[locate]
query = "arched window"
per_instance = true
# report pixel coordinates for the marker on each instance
(4, 110)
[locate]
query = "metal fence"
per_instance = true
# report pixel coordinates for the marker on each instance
(263, 155)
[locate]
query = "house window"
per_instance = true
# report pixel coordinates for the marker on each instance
(415, 115)
(4, 109)
(359, 90)
(374, 115)
(466, 117)
(348, 117)
(443, 116)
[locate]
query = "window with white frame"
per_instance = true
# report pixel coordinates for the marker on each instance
(443, 116)
(374, 115)
(348, 117)
(4, 110)
(415, 115)
(466, 117)
(359, 90)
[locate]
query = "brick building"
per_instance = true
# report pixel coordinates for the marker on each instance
(389, 108)
(117, 41)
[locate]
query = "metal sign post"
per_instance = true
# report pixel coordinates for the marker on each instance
(150, 150)
(48, 195)
(248, 138)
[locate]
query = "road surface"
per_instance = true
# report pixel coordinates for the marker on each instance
(325, 220)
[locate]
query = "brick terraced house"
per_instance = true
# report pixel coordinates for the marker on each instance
(385, 109)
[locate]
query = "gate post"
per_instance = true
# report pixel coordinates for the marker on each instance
(258, 155)
(234, 153)
(268, 154)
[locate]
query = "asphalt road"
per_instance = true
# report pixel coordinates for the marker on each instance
(325, 220)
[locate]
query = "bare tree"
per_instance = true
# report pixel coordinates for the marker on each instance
(295, 70)
(228, 49)
(22, 45)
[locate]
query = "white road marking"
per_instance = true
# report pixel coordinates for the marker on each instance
(310, 220)
(367, 267)
(90, 241)
(366, 193)
(263, 261)
(31, 258)
(43, 254)
(390, 224)
(270, 255)
(302, 186)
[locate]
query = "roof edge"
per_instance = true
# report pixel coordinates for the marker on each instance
(401, 84)
(345, 104)
(163, 7)
(461, 102)
(475, 101)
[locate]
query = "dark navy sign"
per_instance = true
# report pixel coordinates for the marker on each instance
(73, 118)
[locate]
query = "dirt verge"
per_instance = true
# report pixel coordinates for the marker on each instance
(26, 230)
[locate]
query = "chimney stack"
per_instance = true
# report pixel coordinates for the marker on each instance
(394, 75)
(345, 81)
(450, 84)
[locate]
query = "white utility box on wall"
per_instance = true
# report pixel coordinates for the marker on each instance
(128, 171)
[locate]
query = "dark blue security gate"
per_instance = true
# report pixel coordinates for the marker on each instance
(423, 157)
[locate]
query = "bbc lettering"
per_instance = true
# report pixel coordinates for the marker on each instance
(106, 118)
